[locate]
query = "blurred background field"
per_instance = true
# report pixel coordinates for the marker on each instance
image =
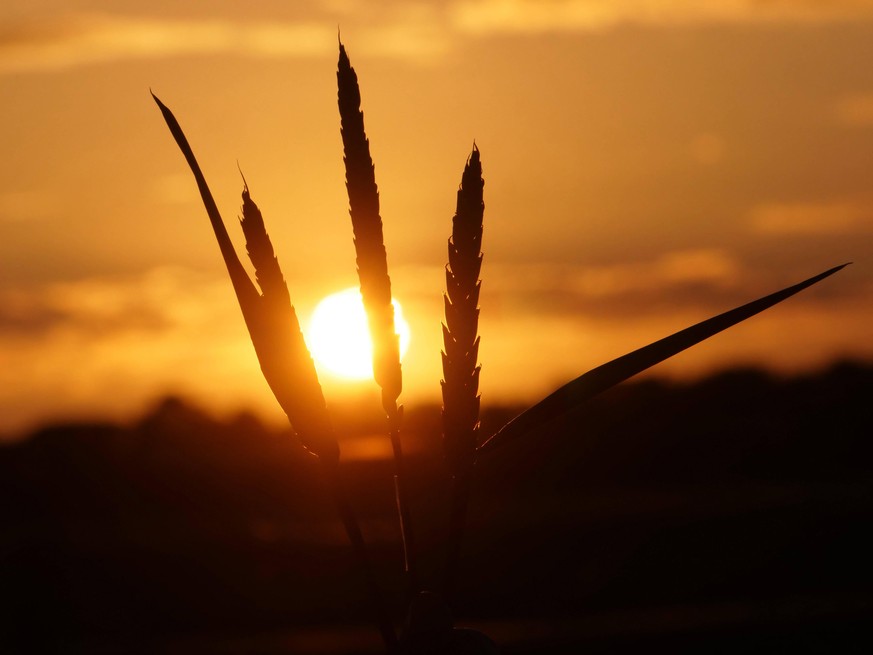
(727, 515)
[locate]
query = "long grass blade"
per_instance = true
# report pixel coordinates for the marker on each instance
(608, 375)
(242, 285)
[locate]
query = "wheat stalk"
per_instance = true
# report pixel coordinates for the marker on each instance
(289, 370)
(375, 283)
(282, 353)
(460, 386)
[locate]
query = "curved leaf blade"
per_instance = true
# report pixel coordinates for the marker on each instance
(618, 370)
(245, 290)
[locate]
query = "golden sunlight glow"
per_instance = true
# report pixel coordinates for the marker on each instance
(339, 339)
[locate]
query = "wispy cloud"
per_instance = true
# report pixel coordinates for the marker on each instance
(684, 278)
(812, 218)
(75, 40)
(104, 345)
(418, 32)
(576, 318)
(58, 43)
(712, 267)
(534, 16)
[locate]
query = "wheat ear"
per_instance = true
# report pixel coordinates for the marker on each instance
(460, 385)
(285, 360)
(367, 227)
(372, 264)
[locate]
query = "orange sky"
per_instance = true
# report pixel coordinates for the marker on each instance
(647, 164)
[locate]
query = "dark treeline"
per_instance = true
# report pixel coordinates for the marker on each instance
(708, 517)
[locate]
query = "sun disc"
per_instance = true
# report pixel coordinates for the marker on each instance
(339, 339)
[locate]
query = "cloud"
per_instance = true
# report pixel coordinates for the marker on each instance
(103, 346)
(535, 16)
(103, 307)
(420, 32)
(54, 43)
(544, 324)
(684, 277)
(812, 218)
(75, 40)
(712, 267)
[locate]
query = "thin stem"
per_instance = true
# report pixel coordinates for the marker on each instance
(457, 523)
(375, 283)
(381, 616)
(402, 499)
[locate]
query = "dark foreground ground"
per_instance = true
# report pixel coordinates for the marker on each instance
(730, 516)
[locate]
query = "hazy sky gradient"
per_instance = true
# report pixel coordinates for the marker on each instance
(647, 164)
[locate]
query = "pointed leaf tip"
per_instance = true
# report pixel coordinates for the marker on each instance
(243, 286)
(164, 109)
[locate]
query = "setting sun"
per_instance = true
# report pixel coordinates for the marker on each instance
(339, 339)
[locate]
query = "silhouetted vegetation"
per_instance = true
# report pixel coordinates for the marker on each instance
(288, 368)
(728, 514)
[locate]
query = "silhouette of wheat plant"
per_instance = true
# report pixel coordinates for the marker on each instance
(291, 374)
